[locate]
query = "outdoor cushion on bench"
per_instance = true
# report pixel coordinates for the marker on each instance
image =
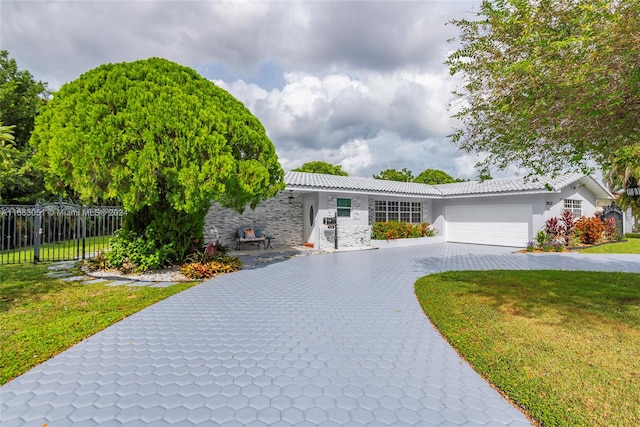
(250, 236)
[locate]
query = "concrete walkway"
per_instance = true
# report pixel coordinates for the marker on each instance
(332, 339)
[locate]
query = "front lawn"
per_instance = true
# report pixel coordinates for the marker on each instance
(40, 317)
(564, 345)
(630, 246)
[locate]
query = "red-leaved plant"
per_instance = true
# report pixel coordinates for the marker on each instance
(591, 229)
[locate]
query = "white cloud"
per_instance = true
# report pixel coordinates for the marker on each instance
(355, 157)
(466, 166)
(361, 84)
(400, 118)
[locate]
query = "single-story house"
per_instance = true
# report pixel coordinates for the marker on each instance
(503, 211)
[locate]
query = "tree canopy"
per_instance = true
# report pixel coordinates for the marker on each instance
(434, 176)
(321, 167)
(21, 98)
(548, 84)
(160, 140)
(404, 175)
(427, 176)
(6, 153)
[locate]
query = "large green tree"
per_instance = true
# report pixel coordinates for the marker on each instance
(21, 98)
(548, 84)
(321, 167)
(404, 175)
(434, 176)
(160, 140)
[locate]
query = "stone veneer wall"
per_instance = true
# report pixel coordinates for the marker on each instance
(276, 216)
(348, 237)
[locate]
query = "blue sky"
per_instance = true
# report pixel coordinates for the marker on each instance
(357, 83)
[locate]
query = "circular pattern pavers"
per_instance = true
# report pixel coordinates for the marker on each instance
(333, 339)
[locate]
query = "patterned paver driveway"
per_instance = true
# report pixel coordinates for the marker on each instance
(334, 339)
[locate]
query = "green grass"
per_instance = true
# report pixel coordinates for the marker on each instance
(55, 251)
(40, 317)
(564, 345)
(630, 246)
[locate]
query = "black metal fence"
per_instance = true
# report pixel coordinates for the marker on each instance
(55, 231)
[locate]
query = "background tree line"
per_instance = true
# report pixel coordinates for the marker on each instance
(427, 176)
(21, 99)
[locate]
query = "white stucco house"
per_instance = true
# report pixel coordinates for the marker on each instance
(504, 211)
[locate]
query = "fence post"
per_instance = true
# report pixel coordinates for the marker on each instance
(84, 229)
(37, 233)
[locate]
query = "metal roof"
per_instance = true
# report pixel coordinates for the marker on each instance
(316, 181)
(323, 182)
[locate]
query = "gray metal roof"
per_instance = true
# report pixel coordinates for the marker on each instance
(509, 185)
(316, 181)
(313, 181)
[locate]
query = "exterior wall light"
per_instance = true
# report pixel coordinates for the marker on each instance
(632, 190)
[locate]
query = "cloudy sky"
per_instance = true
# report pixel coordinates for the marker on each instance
(357, 83)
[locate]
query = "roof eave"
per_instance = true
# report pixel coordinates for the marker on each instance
(354, 191)
(500, 193)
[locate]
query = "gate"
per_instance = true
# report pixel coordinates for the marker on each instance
(55, 232)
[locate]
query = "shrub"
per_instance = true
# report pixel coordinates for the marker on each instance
(591, 229)
(130, 252)
(562, 227)
(400, 230)
(208, 253)
(531, 246)
(541, 238)
(558, 245)
(568, 220)
(96, 263)
(632, 235)
(575, 239)
(610, 229)
(205, 270)
(554, 228)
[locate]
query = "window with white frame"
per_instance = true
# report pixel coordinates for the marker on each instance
(573, 205)
(389, 210)
(344, 207)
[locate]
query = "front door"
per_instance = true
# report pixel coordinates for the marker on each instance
(309, 218)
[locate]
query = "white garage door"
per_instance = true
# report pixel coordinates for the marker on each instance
(502, 225)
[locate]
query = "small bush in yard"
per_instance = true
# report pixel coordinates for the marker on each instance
(557, 245)
(541, 238)
(206, 269)
(132, 253)
(392, 230)
(610, 229)
(96, 263)
(568, 220)
(591, 229)
(554, 228)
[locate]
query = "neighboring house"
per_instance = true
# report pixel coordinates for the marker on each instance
(503, 212)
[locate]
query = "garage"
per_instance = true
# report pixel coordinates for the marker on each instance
(503, 225)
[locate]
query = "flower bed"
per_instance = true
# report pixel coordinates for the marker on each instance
(567, 232)
(392, 230)
(396, 234)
